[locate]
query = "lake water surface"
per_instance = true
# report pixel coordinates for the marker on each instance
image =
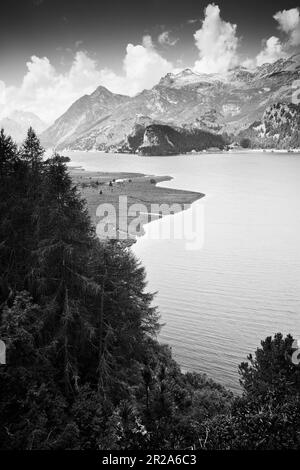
(219, 301)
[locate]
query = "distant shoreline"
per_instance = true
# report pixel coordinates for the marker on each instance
(200, 152)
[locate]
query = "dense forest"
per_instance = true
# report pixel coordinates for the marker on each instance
(278, 128)
(84, 369)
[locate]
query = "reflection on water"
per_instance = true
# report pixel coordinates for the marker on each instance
(219, 301)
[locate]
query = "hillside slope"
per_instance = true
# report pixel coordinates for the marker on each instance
(86, 113)
(279, 128)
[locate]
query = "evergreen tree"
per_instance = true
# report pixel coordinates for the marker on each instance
(32, 153)
(60, 269)
(267, 415)
(270, 374)
(8, 154)
(125, 315)
(14, 219)
(31, 150)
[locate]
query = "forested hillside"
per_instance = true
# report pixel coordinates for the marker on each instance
(161, 139)
(84, 369)
(278, 128)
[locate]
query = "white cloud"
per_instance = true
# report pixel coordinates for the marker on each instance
(272, 51)
(49, 93)
(147, 42)
(289, 23)
(274, 48)
(165, 39)
(2, 92)
(249, 63)
(143, 67)
(217, 43)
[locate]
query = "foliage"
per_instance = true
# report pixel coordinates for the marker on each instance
(267, 416)
(279, 128)
(85, 370)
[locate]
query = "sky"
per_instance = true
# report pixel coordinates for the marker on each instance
(54, 51)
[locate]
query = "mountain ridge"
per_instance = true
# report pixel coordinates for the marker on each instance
(221, 104)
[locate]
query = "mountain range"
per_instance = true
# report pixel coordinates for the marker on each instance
(217, 103)
(17, 123)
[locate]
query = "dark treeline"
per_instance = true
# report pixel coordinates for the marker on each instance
(84, 370)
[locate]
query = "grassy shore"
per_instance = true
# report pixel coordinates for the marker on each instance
(106, 188)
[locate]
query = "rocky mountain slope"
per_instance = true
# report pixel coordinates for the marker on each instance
(279, 128)
(216, 103)
(18, 122)
(87, 113)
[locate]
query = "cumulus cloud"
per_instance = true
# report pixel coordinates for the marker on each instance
(272, 51)
(143, 67)
(49, 93)
(275, 48)
(289, 23)
(147, 42)
(217, 43)
(166, 39)
(249, 63)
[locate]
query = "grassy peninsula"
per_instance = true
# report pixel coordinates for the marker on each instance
(105, 187)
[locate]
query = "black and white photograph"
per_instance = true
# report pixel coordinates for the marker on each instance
(149, 228)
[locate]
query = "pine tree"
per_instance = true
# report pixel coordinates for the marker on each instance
(32, 153)
(60, 272)
(31, 150)
(13, 209)
(8, 153)
(124, 312)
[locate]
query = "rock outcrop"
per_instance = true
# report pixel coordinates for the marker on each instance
(163, 139)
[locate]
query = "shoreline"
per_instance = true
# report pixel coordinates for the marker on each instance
(200, 152)
(99, 188)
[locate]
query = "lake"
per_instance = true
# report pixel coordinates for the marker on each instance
(218, 301)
